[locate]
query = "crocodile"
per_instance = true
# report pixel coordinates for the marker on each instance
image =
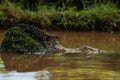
(52, 47)
(38, 33)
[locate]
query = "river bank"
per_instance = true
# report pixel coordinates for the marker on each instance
(104, 17)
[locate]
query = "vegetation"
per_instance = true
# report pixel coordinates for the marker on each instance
(19, 41)
(102, 17)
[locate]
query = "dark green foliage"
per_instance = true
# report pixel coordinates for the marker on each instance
(26, 4)
(104, 16)
(30, 4)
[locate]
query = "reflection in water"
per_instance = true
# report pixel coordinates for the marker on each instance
(2, 66)
(26, 62)
(75, 68)
(72, 67)
(13, 75)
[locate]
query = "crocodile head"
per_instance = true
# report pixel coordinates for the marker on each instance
(52, 38)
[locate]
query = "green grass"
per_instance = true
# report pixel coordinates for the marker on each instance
(103, 17)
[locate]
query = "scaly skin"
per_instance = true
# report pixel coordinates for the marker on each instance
(38, 33)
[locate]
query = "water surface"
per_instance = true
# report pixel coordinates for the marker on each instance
(95, 39)
(71, 67)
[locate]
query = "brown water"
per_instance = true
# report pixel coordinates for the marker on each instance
(95, 39)
(72, 67)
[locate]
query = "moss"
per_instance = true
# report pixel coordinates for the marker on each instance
(17, 40)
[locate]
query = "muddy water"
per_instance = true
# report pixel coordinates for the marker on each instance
(95, 39)
(71, 67)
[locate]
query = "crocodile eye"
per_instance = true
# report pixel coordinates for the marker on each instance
(57, 37)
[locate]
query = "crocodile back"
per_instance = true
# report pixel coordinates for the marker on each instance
(38, 33)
